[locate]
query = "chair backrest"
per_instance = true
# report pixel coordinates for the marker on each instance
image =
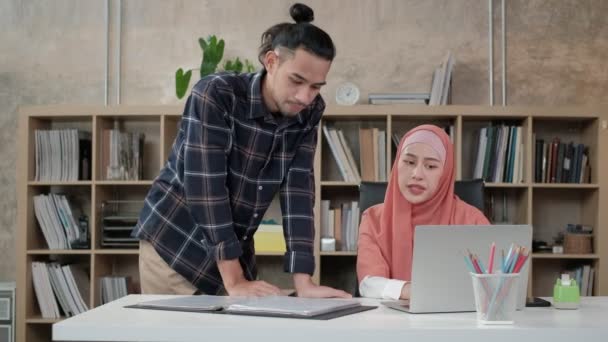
(470, 191)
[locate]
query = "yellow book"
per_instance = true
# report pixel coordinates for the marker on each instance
(269, 238)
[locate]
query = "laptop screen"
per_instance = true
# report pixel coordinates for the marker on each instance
(441, 282)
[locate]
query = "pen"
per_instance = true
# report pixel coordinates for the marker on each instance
(491, 260)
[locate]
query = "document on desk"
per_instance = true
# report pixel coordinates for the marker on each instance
(275, 306)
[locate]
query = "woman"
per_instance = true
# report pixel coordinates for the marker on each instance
(420, 192)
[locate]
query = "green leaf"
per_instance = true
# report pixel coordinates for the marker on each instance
(181, 82)
(202, 43)
(235, 65)
(249, 66)
(213, 51)
(228, 65)
(207, 68)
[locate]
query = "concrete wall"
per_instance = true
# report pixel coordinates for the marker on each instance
(54, 52)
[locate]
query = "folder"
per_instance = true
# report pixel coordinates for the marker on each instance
(271, 306)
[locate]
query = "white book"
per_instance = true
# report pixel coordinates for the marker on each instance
(64, 143)
(47, 153)
(48, 236)
(43, 291)
(481, 152)
(449, 65)
(75, 155)
(38, 152)
(436, 88)
(348, 226)
(49, 289)
(349, 157)
(64, 287)
(382, 156)
(355, 224)
(61, 297)
(77, 286)
(70, 214)
(397, 101)
(591, 279)
(325, 218)
(497, 177)
(56, 238)
(585, 280)
(330, 225)
(519, 157)
(334, 152)
(62, 216)
(56, 223)
(56, 155)
(342, 155)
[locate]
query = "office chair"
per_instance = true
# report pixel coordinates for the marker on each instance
(371, 193)
(471, 191)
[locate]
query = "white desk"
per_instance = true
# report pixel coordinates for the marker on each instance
(112, 322)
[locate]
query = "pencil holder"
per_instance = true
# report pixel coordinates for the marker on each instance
(495, 297)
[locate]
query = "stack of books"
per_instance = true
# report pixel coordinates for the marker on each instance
(113, 288)
(442, 79)
(342, 154)
(341, 222)
(122, 155)
(399, 98)
(63, 155)
(558, 162)
(68, 285)
(57, 223)
(500, 154)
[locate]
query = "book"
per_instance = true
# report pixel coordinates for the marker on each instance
(284, 306)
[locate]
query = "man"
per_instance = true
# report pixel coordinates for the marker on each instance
(242, 139)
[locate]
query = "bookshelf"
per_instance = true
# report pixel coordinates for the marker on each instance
(547, 206)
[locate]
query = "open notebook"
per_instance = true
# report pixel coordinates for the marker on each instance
(275, 306)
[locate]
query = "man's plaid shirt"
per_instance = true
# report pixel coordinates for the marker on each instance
(229, 159)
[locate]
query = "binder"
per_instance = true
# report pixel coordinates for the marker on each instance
(270, 306)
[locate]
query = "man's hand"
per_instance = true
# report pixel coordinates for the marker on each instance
(257, 288)
(306, 288)
(405, 291)
(236, 284)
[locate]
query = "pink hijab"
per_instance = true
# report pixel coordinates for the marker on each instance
(386, 233)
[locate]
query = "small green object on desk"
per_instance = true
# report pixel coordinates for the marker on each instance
(566, 294)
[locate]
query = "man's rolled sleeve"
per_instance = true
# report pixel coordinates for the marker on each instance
(297, 204)
(207, 142)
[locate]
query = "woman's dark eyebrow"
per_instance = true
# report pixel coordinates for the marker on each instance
(426, 158)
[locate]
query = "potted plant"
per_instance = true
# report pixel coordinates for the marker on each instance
(213, 52)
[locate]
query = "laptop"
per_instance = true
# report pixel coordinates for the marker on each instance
(441, 281)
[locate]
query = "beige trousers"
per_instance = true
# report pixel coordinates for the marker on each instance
(157, 277)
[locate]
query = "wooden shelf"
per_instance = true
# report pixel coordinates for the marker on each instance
(339, 253)
(58, 251)
(564, 186)
(506, 185)
(59, 183)
(121, 182)
(546, 210)
(338, 184)
(564, 256)
(40, 320)
(109, 251)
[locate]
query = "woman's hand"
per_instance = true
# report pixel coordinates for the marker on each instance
(405, 291)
